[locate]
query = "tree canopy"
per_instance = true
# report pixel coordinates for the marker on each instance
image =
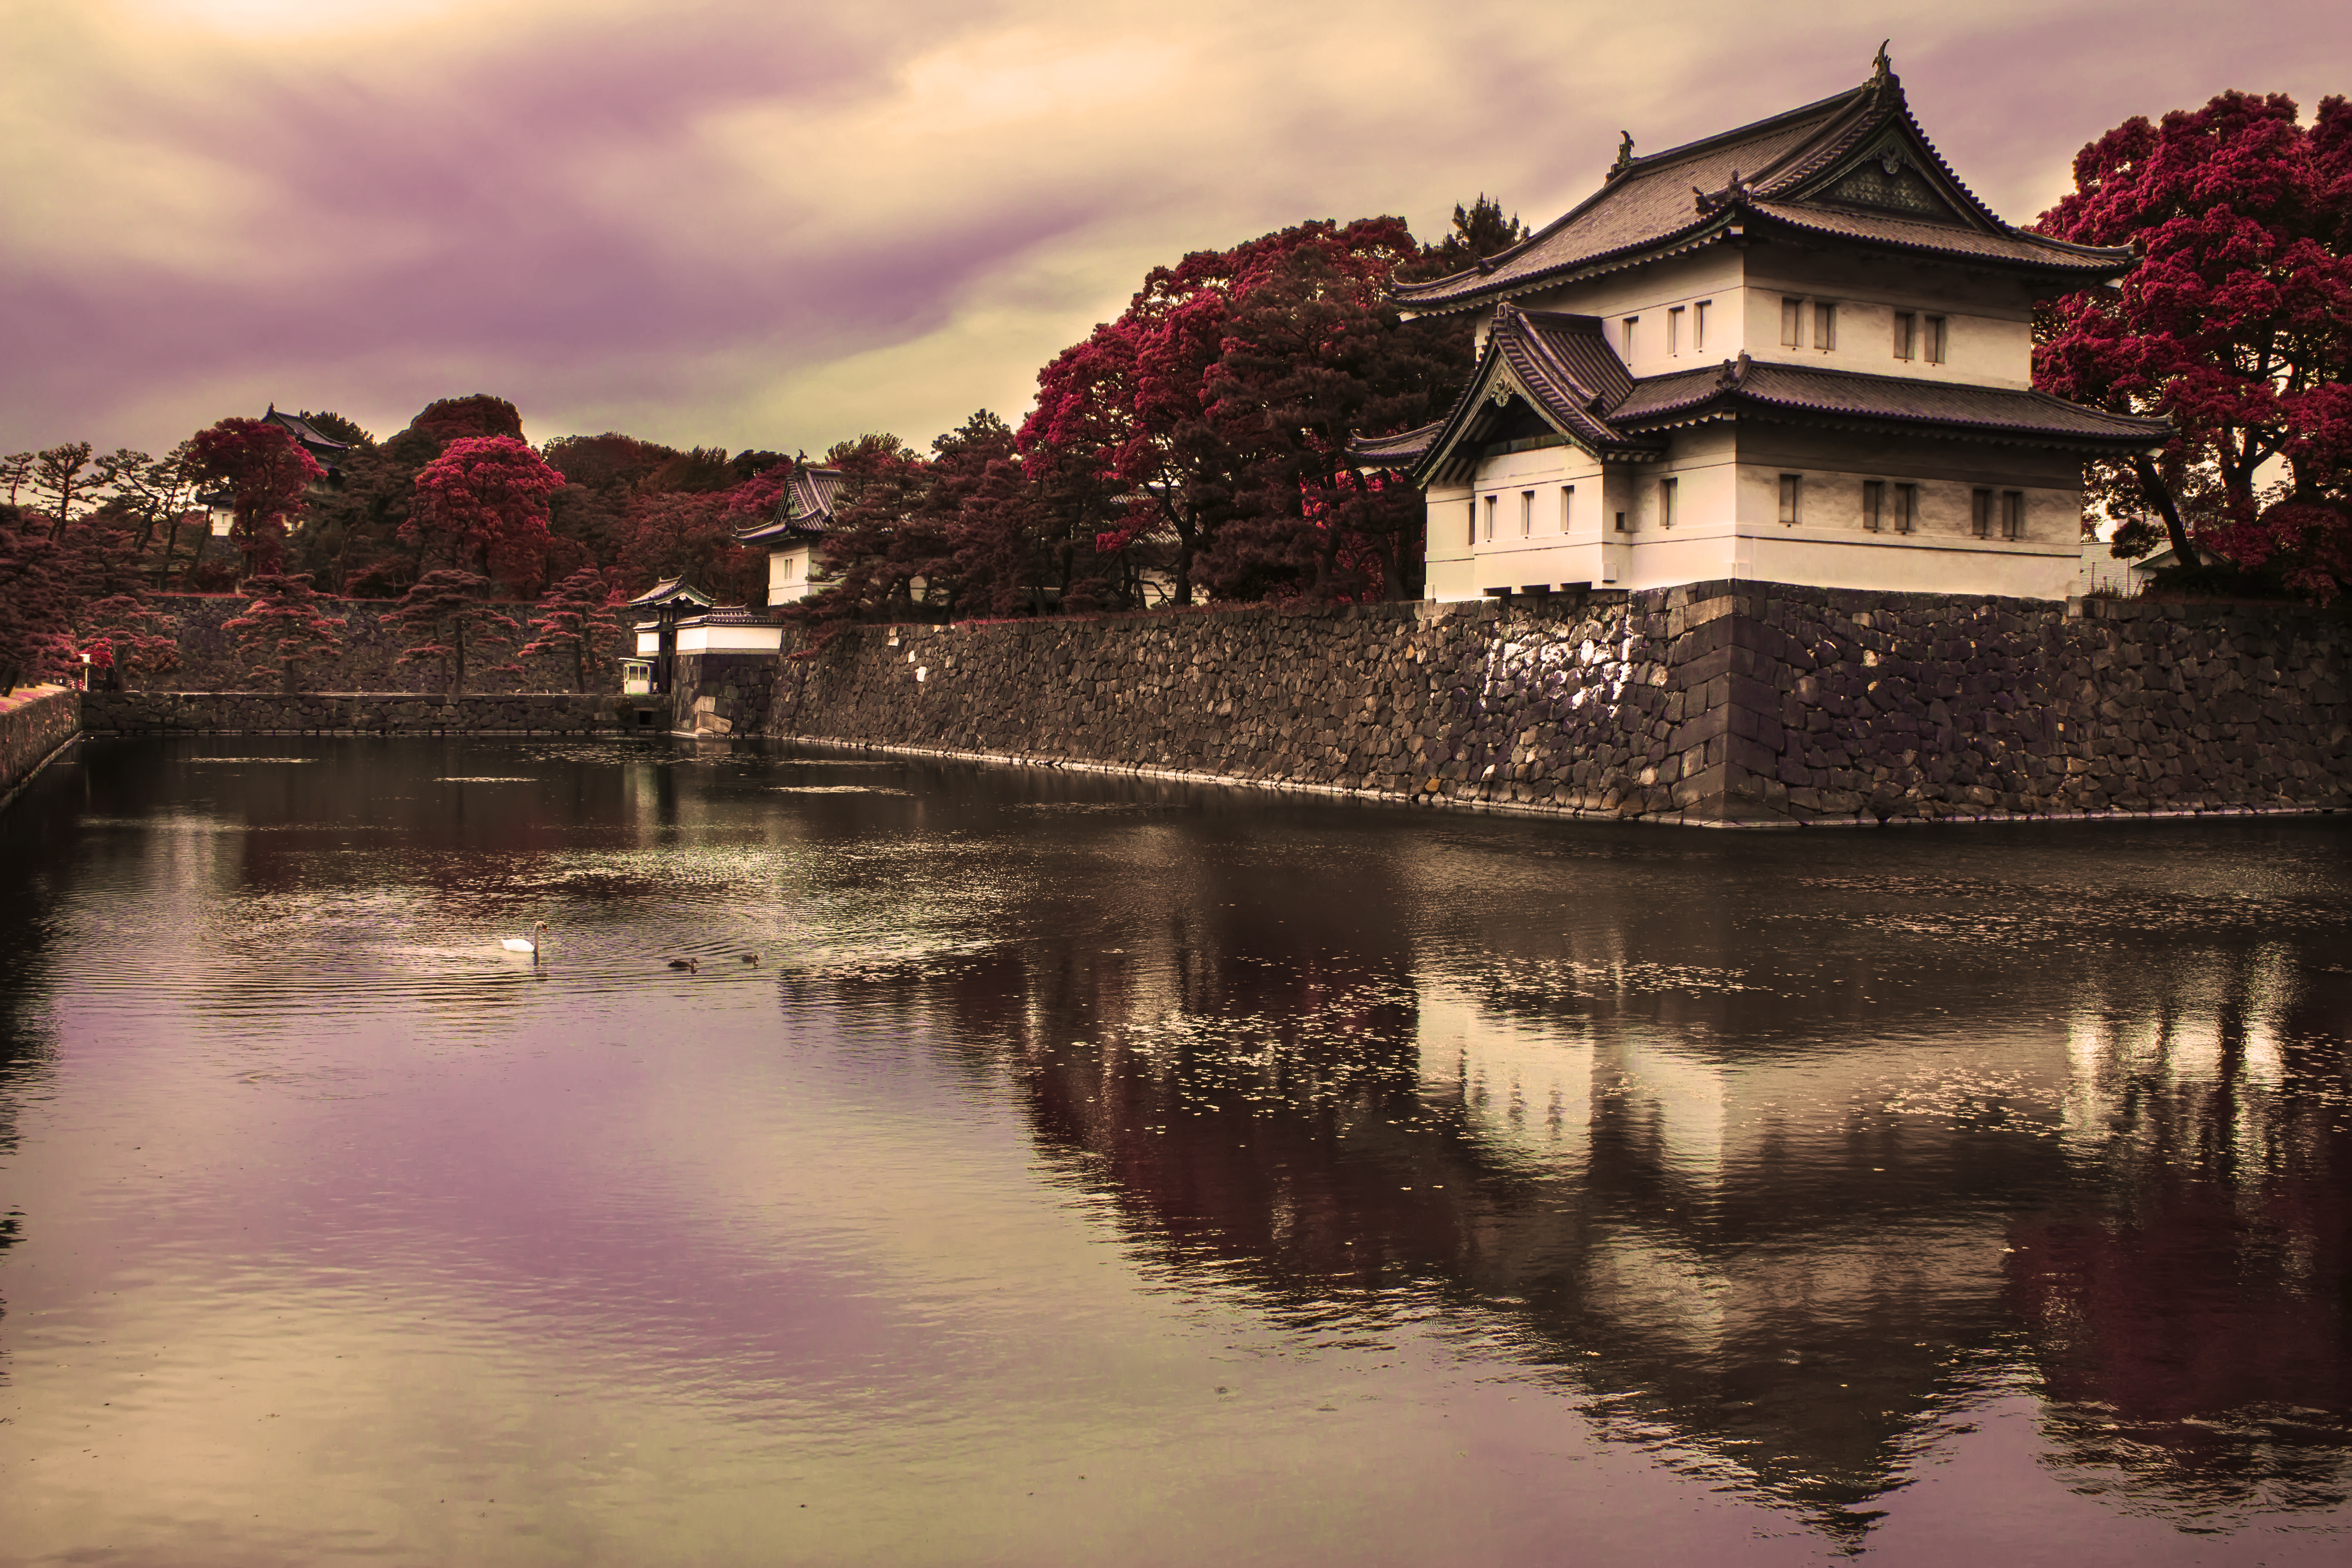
(2236, 323)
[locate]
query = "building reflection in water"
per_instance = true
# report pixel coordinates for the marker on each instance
(1739, 1217)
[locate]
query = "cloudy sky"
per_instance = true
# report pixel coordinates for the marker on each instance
(777, 223)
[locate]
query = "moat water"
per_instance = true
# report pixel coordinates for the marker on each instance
(1097, 1172)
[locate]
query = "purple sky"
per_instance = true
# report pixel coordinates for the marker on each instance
(778, 224)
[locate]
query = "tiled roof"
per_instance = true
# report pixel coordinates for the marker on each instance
(670, 589)
(1949, 408)
(809, 498)
(1556, 363)
(1648, 202)
(1949, 239)
(303, 431)
(1799, 168)
(1568, 367)
(1401, 450)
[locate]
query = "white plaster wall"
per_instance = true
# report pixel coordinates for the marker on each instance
(788, 575)
(2024, 571)
(1942, 554)
(1447, 570)
(1989, 340)
(730, 640)
(1648, 291)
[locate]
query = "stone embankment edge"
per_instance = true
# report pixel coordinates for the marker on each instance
(1737, 701)
(28, 720)
(1511, 808)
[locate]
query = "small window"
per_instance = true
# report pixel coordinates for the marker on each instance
(1980, 513)
(1567, 506)
(1674, 331)
(1792, 323)
(1699, 326)
(1907, 335)
(1490, 518)
(1906, 507)
(1791, 497)
(1621, 524)
(1667, 491)
(1627, 341)
(2012, 514)
(1824, 326)
(1874, 504)
(1526, 514)
(1937, 340)
(1472, 536)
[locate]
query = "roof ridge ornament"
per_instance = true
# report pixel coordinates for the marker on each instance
(1734, 190)
(1624, 154)
(1734, 373)
(1881, 70)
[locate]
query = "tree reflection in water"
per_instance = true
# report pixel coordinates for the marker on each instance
(1739, 1220)
(1785, 1158)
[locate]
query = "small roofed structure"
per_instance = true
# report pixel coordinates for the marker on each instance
(655, 614)
(675, 620)
(794, 537)
(324, 447)
(1799, 351)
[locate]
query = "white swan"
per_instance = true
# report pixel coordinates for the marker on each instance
(525, 944)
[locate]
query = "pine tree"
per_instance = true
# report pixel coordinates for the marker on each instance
(575, 617)
(445, 613)
(285, 628)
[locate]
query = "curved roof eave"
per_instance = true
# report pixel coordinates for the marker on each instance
(1731, 405)
(1681, 242)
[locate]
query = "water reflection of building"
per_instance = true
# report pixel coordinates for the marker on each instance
(1784, 1257)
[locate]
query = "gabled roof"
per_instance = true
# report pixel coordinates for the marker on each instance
(326, 448)
(674, 590)
(1820, 397)
(806, 511)
(1856, 166)
(1544, 365)
(1548, 375)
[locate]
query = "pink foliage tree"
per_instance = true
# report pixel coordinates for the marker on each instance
(2237, 323)
(267, 472)
(482, 507)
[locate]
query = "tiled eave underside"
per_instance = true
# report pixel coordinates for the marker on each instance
(1712, 231)
(780, 534)
(1576, 272)
(1883, 425)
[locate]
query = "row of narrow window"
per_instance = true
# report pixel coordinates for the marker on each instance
(1886, 508)
(1696, 313)
(1917, 336)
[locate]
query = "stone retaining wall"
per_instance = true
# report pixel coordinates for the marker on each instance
(1721, 703)
(360, 713)
(33, 725)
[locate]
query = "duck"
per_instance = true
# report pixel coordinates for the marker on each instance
(525, 944)
(751, 957)
(689, 965)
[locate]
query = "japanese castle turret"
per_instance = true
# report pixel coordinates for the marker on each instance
(1799, 351)
(792, 537)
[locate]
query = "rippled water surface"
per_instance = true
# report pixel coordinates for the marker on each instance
(1089, 1171)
